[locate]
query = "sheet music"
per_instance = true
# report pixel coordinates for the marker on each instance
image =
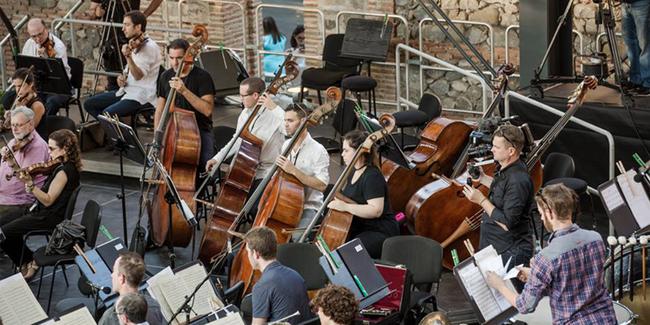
(17, 302)
(79, 316)
(612, 197)
(192, 276)
(156, 292)
(476, 286)
(495, 264)
(231, 319)
(636, 197)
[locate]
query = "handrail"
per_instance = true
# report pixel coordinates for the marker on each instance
(241, 49)
(408, 49)
(258, 9)
(102, 23)
(70, 12)
(4, 41)
(462, 22)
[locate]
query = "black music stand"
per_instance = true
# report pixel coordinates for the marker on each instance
(367, 40)
(50, 72)
(125, 140)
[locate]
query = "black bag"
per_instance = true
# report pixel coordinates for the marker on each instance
(64, 237)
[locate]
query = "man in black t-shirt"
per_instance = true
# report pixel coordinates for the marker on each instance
(194, 92)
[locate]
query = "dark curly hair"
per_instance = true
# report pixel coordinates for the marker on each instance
(67, 140)
(337, 303)
(356, 138)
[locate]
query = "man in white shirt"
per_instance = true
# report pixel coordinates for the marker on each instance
(308, 161)
(143, 65)
(267, 126)
(35, 45)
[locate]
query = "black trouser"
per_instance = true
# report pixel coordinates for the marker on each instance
(9, 213)
(52, 102)
(16, 229)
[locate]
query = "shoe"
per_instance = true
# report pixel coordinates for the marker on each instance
(30, 270)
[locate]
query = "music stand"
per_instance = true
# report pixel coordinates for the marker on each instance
(50, 72)
(226, 69)
(125, 140)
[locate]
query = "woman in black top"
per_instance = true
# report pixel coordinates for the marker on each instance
(373, 220)
(51, 200)
(24, 82)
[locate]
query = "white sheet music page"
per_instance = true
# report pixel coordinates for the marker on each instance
(156, 292)
(636, 197)
(192, 276)
(478, 289)
(17, 302)
(79, 316)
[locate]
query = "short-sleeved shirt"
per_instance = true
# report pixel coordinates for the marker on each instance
(312, 159)
(148, 59)
(58, 207)
(371, 185)
(279, 293)
(154, 314)
(199, 82)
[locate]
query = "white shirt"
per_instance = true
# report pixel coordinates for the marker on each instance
(31, 49)
(312, 159)
(148, 59)
(268, 127)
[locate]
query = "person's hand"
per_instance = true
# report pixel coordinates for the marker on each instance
(285, 164)
(267, 101)
(337, 204)
(177, 84)
(4, 152)
(524, 272)
(493, 280)
(473, 194)
(210, 164)
(41, 51)
(480, 171)
(126, 50)
(25, 177)
(121, 81)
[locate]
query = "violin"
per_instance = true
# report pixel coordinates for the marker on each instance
(44, 168)
(21, 143)
(48, 46)
(135, 44)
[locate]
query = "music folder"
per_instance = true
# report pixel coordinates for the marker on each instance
(488, 304)
(627, 204)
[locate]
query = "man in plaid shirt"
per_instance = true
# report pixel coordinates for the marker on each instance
(569, 270)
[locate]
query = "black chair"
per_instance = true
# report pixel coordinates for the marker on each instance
(246, 308)
(423, 258)
(234, 294)
(360, 84)
(222, 135)
(334, 69)
(558, 165)
(428, 109)
(303, 258)
(343, 122)
(91, 220)
(55, 122)
(76, 81)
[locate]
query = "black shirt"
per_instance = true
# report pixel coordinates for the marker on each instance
(58, 207)
(371, 185)
(512, 195)
(199, 82)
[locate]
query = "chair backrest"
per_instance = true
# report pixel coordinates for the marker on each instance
(56, 122)
(72, 201)
(558, 165)
(91, 219)
(303, 258)
(344, 118)
(332, 58)
(430, 104)
(422, 257)
(246, 308)
(76, 72)
(222, 135)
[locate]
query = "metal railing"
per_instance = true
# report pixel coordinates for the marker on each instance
(242, 10)
(599, 36)
(406, 101)
(4, 41)
(404, 21)
(259, 52)
(69, 14)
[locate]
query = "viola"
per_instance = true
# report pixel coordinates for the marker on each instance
(48, 47)
(136, 43)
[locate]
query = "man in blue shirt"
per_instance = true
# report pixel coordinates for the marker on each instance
(281, 291)
(569, 270)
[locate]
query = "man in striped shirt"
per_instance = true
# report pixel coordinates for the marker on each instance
(569, 270)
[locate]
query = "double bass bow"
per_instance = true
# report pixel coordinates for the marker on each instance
(336, 224)
(441, 211)
(177, 135)
(236, 185)
(282, 199)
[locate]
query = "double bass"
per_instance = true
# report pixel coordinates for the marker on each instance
(281, 204)
(236, 185)
(441, 211)
(178, 135)
(336, 224)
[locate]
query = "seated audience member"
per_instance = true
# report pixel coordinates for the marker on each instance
(280, 290)
(273, 41)
(335, 305)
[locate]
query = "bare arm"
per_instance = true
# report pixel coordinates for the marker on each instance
(371, 210)
(259, 321)
(56, 187)
(160, 105)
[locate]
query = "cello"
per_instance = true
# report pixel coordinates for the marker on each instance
(282, 201)
(235, 187)
(178, 136)
(336, 224)
(441, 145)
(441, 211)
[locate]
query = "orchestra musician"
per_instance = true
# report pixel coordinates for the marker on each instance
(42, 43)
(139, 84)
(308, 161)
(280, 290)
(132, 310)
(28, 148)
(25, 84)
(506, 218)
(194, 92)
(569, 270)
(51, 199)
(335, 305)
(267, 126)
(373, 220)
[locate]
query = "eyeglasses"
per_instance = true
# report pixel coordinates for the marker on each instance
(246, 95)
(19, 125)
(37, 35)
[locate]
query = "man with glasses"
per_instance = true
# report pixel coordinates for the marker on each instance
(505, 222)
(39, 37)
(569, 270)
(14, 200)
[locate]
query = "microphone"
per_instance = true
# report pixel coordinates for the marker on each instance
(98, 288)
